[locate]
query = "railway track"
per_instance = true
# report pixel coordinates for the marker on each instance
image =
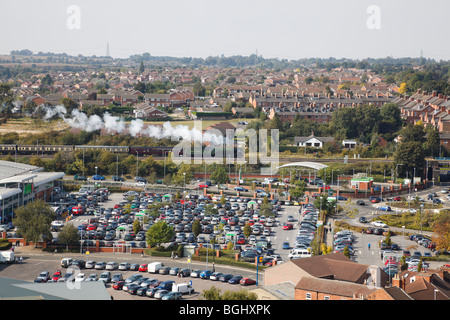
(266, 160)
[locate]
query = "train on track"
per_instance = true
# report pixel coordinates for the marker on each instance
(52, 149)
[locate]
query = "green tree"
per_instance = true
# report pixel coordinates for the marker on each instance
(196, 227)
(219, 175)
(137, 226)
(6, 98)
(34, 221)
(184, 174)
(247, 230)
(69, 235)
(160, 232)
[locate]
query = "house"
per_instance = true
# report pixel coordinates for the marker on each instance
(311, 288)
(333, 266)
(349, 144)
(145, 110)
(427, 285)
(312, 141)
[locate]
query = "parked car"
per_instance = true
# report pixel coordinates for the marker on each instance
(247, 282)
(112, 266)
(235, 279)
(160, 293)
(44, 276)
(100, 265)
(118, 285)
(172, 296)
(205, 274)
(225, 277)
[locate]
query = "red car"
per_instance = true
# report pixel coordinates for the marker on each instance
(247, 282)
(56, 275)
(241, 240)
(398, 198)
(143, 267)
(202, 186)
(118, 285)
(288, 226)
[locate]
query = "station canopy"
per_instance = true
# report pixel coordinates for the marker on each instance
(311, 165)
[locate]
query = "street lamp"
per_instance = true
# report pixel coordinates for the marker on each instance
(396, 173)
(403, 240)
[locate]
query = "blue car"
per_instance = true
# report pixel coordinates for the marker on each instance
(286, 245)
(240, 189)
(98, 177)
(205, 274)
(385, 208)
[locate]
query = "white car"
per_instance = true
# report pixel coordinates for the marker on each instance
(379, 224)
(140, 184)
(80, 277)
(92, 277)
(112, 266)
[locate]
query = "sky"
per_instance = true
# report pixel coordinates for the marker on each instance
(285, 29)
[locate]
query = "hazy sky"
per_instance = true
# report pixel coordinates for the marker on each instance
(291, 29)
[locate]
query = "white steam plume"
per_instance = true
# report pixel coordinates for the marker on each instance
(113, 124)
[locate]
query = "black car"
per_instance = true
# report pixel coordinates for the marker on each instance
(360, 202)
(225, 277)
(78, 263)
(117, 178)
(140, 179)
(235, 280)
(133, 288)
(362, 219)
(142, 291)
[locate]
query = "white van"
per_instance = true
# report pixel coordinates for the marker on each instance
(183, 288)
(154, 267)
(66, 262)
(7, 257)
(299, 253)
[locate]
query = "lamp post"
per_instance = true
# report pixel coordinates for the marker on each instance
(403, 240)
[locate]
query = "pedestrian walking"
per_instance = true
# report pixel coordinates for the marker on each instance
(368, 246)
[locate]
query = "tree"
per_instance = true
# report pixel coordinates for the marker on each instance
(220, 175)
(432, 143)
(141, 67)
(409, 156)
(441, 231)
(160, 232)
(6, 98)
(34, 221)
(214, 293)
(402, 89)
(184, 174)
(69, 235)
(247, 230)
(196, 228)
(266, 208)
(136, 226)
